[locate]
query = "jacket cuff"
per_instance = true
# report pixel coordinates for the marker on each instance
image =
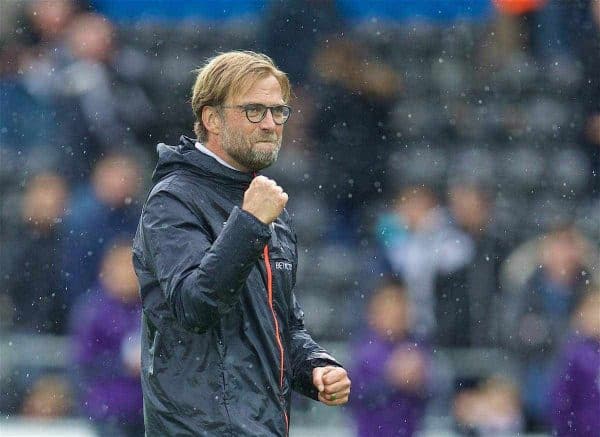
(256, 232)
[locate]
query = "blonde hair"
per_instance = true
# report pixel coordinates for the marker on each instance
(228, 74)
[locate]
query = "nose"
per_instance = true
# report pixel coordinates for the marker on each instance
(267, 122)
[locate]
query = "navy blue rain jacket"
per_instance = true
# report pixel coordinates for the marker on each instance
(223, 338)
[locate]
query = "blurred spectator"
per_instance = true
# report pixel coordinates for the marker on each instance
(355, 96)
(44, 27)
(103, 109)
(575, 402)
(419, 244)
(32, 281)
(391, 370)
(468, 299)
(50, 397)
(80, 73)
(491, 407)
(98, 213)
(32, 126)
(543, 310)
(106, 325)
(33, 79)
(46, 21)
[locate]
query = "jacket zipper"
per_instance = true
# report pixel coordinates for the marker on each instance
(279, 344)
(277, 337)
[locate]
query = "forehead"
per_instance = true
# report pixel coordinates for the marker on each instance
(265, 90)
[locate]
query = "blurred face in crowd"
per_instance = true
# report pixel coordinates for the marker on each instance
(587, 315)
(596, 13)
(349, 63)
(116, 180)
(50, 397)
(592, 128)
(44, 201)
(495, 404)
(388, 313)
(470, 208)
(562, 254)
(49, 18)
(415, 204)
(251, 146)
(91, 38)
(117, 273)
(503, 398)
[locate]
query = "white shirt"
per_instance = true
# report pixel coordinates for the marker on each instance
(211, 154)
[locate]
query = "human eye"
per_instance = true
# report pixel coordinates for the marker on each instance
(279, 110)
(254, 109)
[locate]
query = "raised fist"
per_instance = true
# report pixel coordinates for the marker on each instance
(264, 199)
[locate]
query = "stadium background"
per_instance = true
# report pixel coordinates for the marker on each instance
(415, 125)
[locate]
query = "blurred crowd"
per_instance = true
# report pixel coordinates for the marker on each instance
(443, 179)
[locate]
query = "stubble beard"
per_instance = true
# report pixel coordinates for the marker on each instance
(243, 150)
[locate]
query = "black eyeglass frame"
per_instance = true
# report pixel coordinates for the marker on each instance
(250, 106)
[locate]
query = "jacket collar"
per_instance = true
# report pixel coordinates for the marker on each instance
(185, 156)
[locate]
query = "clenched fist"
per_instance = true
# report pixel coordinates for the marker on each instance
(264, 199)
(333, 385)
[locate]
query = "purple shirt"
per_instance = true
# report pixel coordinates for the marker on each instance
(576, 389)
(380, 408)
(106, 333)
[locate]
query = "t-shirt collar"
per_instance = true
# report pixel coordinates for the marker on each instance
(210, 153)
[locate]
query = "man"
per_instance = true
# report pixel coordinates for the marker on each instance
(223, 341)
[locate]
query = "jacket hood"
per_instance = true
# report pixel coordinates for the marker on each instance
(185, 156)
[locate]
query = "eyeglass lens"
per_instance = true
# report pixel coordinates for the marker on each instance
(257, 113)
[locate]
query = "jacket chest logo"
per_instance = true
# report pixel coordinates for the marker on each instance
(283, 265)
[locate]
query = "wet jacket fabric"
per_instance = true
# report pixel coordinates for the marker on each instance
(223, 338)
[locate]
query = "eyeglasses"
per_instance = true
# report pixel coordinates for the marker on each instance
(256, 112)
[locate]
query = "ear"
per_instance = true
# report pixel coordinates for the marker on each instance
(212, 120)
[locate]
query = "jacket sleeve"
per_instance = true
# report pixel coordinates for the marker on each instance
(305, 354)
(200, 279)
